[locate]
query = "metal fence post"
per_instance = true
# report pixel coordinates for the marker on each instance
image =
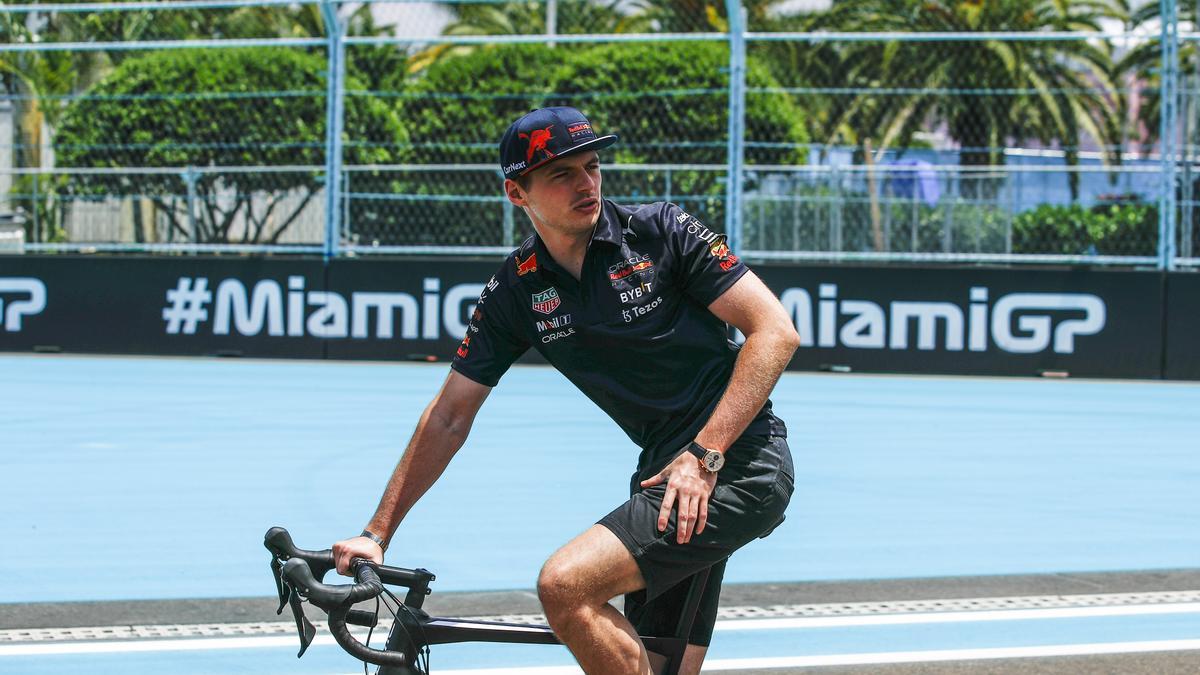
(508, 223)
(189, 178)
(334, 124)
(1169, 92)
(347, 192)
(37, 223)
(737, 122)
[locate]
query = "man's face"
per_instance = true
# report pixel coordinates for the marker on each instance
(563, 195)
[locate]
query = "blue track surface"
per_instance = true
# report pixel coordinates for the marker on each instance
(162, 475)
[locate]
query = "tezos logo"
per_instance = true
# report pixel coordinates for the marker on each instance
(639, 311)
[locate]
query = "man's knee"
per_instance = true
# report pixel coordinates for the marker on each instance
(589, 571)
(557, 583)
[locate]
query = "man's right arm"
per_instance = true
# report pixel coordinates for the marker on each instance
(440, 433)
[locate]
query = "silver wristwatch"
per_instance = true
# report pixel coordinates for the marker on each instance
(711, 460)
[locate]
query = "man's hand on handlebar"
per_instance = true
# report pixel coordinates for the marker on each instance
(355, 547)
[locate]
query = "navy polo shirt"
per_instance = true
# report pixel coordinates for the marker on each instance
(634, 333)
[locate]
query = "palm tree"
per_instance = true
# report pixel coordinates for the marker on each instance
(527, 17)
(1143, 65)
(987, 93)
(688, 16)
(38, 83)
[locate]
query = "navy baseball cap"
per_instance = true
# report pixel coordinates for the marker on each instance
(546, 134)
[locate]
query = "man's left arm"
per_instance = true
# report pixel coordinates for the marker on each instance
(771, 340)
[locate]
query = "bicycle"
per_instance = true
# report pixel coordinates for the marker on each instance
(299, 573)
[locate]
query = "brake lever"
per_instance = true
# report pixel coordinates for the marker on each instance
(283, 589)
(289, 596)
(303, 626)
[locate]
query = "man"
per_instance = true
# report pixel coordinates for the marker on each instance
(632, 305)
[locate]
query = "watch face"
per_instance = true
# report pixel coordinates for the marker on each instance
(714, 460)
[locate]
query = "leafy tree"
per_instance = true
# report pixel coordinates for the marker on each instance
(1143, 65)
(1107, 229)
(668, 101)
(256, 107)
(460, 106)
(35, 82)
(527, 17)
(670, 104)
(988, 93)
(687, 16)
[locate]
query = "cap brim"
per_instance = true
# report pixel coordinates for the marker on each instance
(598, 143)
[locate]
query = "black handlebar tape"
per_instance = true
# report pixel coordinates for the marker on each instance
(331, 596)
(378, 657)
(337, 600)
(360, 617)
(279, 542)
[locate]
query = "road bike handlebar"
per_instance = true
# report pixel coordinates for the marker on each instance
(298, 573)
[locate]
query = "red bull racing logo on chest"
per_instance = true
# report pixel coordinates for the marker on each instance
(527, 265)
(546, 301)
(634, 265)
(538, 138)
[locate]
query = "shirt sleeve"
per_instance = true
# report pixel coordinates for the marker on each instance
(703, 263)
(491, 344)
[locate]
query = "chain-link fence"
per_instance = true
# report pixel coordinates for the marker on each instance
(866, 129)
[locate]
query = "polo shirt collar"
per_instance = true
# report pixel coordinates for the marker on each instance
(607, 230)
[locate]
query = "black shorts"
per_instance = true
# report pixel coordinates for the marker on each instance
(752, 491)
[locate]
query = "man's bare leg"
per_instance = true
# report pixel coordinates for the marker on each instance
(693, 659)
(575, 586)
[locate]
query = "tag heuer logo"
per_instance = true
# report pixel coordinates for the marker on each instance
(547, 301)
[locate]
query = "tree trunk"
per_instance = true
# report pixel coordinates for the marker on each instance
(873, 195)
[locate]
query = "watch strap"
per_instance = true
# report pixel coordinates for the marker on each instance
(375, 538)
(701, 454)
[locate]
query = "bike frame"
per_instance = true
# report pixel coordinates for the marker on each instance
(298, 573)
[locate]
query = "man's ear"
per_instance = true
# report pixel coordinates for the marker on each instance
(514, 192)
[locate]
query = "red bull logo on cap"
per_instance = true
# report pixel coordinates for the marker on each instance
(538, 138)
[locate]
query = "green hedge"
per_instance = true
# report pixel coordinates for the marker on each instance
(228, 107)
(1111, 229)
(668, 102)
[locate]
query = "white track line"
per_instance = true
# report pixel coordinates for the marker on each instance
(958, 617)
(877, 658)
(1083, 649)
(269, 641)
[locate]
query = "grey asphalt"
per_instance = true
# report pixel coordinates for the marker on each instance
(237, 610)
